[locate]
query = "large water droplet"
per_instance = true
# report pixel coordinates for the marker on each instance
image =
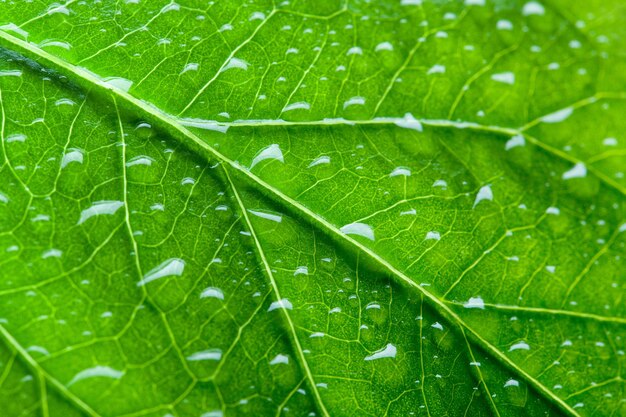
(388, 351)
(98, 208)
(360, 229)
(170, 267)
(271, 152)
(96, 372)
(206, 355)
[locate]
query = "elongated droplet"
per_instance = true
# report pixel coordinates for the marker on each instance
(388, 351)
(360, 229)
(96, 372)
(170, 267)
(271, 152)
(99, 208)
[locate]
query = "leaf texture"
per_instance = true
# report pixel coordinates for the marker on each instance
(312, 208)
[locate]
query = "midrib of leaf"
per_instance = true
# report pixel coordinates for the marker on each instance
(174, 127)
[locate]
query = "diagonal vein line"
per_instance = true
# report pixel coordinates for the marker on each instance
(480, 376)
(550, 312)
(270, 275)
(175, 128)
(32, 363)
(231, 56)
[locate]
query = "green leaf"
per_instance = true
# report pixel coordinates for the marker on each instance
(312, 208)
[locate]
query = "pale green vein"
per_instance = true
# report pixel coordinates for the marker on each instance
(481, 378)
(270, 275)
(551, 312)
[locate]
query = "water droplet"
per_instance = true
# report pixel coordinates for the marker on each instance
(98, 208)
(214, 413)
(17, 137)
(58, 44)
(170, 267)
(609, 142)
(360, 229)
(437, 69)
(504, 24)
(437, 326)
(257, 16)
(271, 152)
(558, 116)
(205, 355)
(52, 253)
(119, 83)
(193, 66)
(354, 101)
(475, 302)
(212, 292)
(514, 142)
(10, 73)
(409, 122)
(388, 351)
(203, 124)
(301, 270)
(533, 8)
(401, 171)
(235, 63)
(519, 346)
(578, 171)
(96, 372)
(433, 236)
(172, 7)
(484, 193)
(64, 102)
(280, 358)
(267, 215)
(511, 383)
(355, 50)
(38, 349)
(281, 304)
(301, 105)
(384, 46)
(12, 27)
(319, 161)
(504, 77)
(55, 8)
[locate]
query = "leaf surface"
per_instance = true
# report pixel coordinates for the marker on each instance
(400, 208)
